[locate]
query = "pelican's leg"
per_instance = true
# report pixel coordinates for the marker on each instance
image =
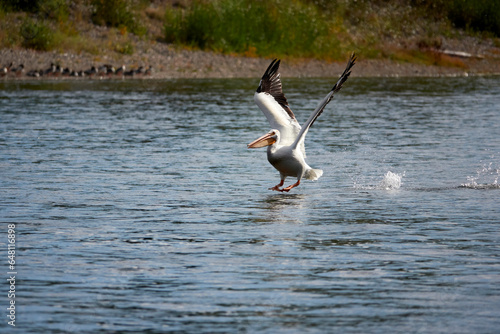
(287, 189)
(277, 187)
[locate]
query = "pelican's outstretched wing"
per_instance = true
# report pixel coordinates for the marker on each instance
(271, 100)
(319, 109)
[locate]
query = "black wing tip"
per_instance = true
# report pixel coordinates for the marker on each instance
(347, 72)
(271, 72)
(273, 68)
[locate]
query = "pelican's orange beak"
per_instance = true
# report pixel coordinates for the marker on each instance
(265, 140)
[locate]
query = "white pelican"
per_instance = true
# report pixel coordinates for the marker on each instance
(286, 151)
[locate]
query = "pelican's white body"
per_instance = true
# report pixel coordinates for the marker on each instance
(291, 162)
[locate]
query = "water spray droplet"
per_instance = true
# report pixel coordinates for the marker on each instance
(391, 181)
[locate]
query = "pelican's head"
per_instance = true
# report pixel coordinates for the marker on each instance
(268, 139)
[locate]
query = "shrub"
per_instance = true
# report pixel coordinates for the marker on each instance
(117, 13)
(479, 15)
(54, 9)
(37, 35)
(21, 5)
(126, 48)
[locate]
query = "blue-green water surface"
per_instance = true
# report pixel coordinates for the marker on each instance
(139, 209)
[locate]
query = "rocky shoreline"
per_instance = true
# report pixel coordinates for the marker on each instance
(169, 62)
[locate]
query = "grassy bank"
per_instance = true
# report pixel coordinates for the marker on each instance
(402, 30)
(254, 28)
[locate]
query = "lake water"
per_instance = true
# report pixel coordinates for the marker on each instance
(138, 208)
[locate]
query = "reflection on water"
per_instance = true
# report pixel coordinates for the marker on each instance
(278, 202)
(139, 208)
(284, 207)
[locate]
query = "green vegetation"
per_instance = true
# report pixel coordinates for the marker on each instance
(118, 14)
(53, 9)
(260, 28)
(403, 30)
(36, 35)
(476, 15)
(326, 28)
(65, 25)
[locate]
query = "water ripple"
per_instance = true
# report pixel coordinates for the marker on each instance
(139, 208)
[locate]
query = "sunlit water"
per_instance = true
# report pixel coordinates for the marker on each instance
(139, 208)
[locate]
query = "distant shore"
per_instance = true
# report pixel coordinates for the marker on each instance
(169, 62)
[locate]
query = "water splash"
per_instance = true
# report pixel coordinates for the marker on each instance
(485, 178)
(391, 181)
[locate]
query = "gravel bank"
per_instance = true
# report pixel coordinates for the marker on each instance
(171, 62)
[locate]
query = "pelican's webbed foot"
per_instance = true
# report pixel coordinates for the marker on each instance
(287, 189)
(277, 187)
